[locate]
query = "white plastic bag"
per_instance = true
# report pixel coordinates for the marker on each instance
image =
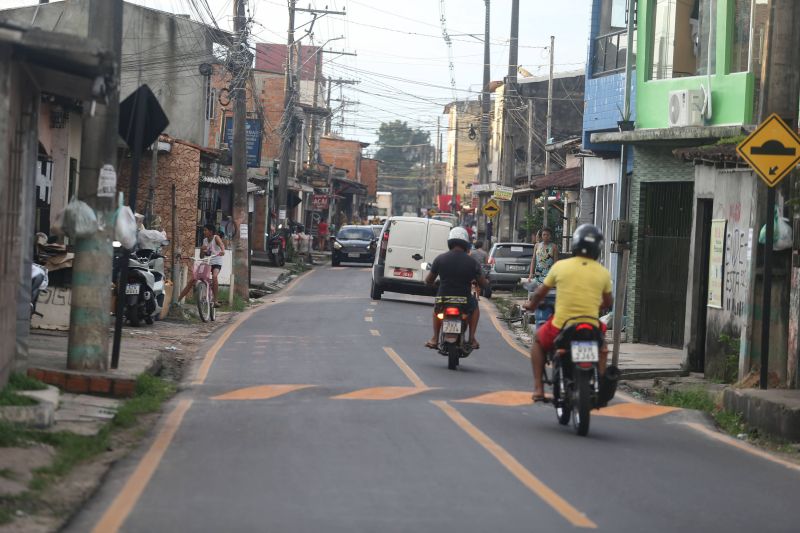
(125, 227)
(79, 219)
(782, 234)
(151, 239)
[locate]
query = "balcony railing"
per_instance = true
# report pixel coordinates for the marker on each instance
(609, 53)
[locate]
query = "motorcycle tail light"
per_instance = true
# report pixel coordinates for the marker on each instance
(452, 311)
(585, 365)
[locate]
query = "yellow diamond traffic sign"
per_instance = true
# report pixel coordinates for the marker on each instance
(491, 209)
(772, 150)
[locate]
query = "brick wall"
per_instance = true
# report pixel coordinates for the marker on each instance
(342, 153)
(180, 167)
(369, 175)
(650, 164)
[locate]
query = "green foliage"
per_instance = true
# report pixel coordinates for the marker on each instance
(151, 392)
(71, 449)
(24, 382)
(238, 302)
(401, 147)
(687, 399)
(730, 347)
(533, 222)
(10, 398)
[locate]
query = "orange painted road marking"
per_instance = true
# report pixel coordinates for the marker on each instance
(507, 398)
(260, 392)
(381, 393)
(123, 504)
(548, 495)
(634, 411)
(410, 374)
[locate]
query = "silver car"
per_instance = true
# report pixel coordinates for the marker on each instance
(509, 262)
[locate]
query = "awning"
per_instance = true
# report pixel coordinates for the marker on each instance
(216, 180)
(346, 186)
(568, 178)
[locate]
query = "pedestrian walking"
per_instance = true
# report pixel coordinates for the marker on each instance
(322, 235)
(545, 254)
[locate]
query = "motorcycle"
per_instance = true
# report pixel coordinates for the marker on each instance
(276, 247)
(452, 311)
(39, 282)
(144, 288)
(572, 369)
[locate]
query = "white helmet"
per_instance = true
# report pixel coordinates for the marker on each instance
(458, 237)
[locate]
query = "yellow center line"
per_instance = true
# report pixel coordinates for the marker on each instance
(503, 331)
(375, 333)
(410, 374)
(534, 484)
(123, 504)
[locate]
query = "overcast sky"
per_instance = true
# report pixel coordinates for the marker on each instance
(402, 60)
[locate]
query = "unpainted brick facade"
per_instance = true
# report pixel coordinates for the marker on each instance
(342, 153)
(369, 175)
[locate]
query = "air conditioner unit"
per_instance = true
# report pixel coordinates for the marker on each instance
(686, 107)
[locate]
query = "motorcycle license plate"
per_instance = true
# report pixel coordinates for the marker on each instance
(131, 289)
(353, 255)
(275, 250)
(585, 352)
(451, 326)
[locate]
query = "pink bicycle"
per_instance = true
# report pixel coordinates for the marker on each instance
(203, 295)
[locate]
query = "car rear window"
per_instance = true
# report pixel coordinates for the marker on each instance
(355, 234)
(513, 251)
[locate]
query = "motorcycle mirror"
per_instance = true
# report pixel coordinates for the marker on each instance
(165, 242)
(425, 266)
(116, 244)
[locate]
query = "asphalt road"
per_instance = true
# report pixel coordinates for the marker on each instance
(324, 412)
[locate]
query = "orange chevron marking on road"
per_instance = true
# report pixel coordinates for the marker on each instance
(506, 398)
(381, 393)
(634, 411)
(260, 392)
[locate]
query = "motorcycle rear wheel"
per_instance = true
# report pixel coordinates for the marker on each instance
(452, 357)
(583, 403)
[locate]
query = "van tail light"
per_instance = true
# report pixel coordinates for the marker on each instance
(384, 245)
(452, 311)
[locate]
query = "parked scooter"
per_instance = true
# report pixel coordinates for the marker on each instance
(144, 289)
(39, 282)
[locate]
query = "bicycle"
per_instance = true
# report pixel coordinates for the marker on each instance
(203, 295)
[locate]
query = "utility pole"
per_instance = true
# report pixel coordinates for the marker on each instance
(549, 129)
(780, 86)
(287, 124)
(529, 158)
(91, 271)
(454, 198)
(621, 231)
(509, 100)
(437, 160)
(485, 102)
(241, 68)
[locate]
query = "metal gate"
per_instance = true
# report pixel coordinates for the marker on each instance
(664, 265)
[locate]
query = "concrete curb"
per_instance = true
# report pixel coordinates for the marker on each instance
(40, 415)
(774, 412)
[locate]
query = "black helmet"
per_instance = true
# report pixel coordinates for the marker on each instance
(587, 241)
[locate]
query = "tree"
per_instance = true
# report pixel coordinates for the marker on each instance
(401, 147)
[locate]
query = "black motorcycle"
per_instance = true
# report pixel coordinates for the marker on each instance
(575, 376)
(452, 311)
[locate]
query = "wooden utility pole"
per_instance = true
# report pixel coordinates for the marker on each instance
(780, 86)
(91, 270)
(241, 71)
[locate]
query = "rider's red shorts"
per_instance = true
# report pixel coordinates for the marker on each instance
(547, 333)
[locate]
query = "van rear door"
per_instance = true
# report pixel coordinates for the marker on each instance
(438, 231)
(406, 249)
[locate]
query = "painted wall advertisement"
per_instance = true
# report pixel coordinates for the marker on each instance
(252, 137)
(716, 263)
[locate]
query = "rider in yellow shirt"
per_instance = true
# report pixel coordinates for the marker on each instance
(584, 287)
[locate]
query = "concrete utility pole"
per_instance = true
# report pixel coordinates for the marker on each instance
(549, 132)
(529, 151)
(241, 71)
(486, 102)
(780, 86)
(454, 198)
(509, 100)
(620, 239)
(91, 270)
(287, 124)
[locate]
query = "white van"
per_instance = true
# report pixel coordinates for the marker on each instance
(406, 243)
